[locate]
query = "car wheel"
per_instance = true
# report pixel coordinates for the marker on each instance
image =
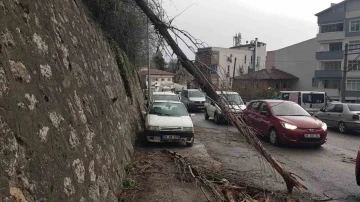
(206, 115)
(342, 127)
(274, 137)
(217, 119)
(190, 144)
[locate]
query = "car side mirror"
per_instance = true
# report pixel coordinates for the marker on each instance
(322, 110)
(311, 113)
(144, 113)
(192, 114)
(264, 113)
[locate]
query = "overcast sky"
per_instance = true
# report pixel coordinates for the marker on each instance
(278, 23)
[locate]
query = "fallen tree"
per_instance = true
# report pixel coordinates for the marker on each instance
(210, 90)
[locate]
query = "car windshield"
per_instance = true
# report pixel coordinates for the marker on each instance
(196, 94)
(165, 97)
(168, 109)
(233, 99)
(287, 109)
(354, 107)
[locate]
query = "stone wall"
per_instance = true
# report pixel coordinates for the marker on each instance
(70, 105)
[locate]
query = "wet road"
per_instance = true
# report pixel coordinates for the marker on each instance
(327, 171)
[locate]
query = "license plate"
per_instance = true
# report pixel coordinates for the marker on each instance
(171, 137)
(312, 135)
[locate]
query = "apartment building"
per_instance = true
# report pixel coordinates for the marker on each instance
(223, 64)
(339, 24)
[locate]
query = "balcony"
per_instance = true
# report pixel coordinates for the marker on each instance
(330, 55)
(330, 36)
(328, 74)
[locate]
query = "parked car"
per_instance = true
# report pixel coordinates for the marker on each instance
(170, 96)
(357, 168)
(285, 122)
(234, 102)
(311, 101)
(344, 116)
(169, 121)
(193, 99)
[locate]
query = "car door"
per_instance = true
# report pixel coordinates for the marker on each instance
(263, 120)
(252, 117)
(183, 97)
(336, 115)
(325, 116)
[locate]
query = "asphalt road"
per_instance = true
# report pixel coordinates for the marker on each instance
(327, 171)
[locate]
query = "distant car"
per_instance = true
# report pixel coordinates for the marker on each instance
(357, 168)
(169, 121)
(234, 101)
(285, 122)
(193, 99)
(344, 116)
(168, 96)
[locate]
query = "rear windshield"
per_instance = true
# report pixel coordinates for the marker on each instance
(165, 97)
(313, 98)
(196, 94)
(354, 107)
(232, 99)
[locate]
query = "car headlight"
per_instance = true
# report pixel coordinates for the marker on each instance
(153, 128)
(324, 126)
(190, 129)
(288, 126)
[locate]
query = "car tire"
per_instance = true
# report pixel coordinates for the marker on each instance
(217, 119)
(190, 144)
(206, 115)
(274, 137)
(342, 127)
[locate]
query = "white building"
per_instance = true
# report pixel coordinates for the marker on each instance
(159, 79)
(226, 63)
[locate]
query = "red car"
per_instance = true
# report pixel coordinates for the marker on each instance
(357, 168)
(285, 122)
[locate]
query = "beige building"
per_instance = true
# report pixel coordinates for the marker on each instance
(223, 64)
(159, 79)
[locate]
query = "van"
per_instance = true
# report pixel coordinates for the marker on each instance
(311, 101)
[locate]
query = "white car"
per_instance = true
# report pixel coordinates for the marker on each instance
(168, 96)
(234, 101)
(169, 121)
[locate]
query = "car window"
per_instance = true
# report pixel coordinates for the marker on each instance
(263, 107)
(168, 109)
(313, 98)
(196, 94)
(255, 106)
(232, 99)
(330, 108)
(354, 107)
(287, 109)
(285, 96)
(165, 97)
(338, 108)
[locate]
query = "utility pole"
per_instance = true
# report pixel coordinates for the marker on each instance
(148, 54)
(255, 53)
(232, 82)
(345, 69)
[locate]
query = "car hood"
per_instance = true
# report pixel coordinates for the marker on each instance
(197, 99)
(169, 121)
(302, 121)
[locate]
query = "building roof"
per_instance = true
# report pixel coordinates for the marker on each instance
(157, 72)
(331, 7)
(267, 74)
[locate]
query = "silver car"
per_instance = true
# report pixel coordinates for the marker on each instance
(344, 116)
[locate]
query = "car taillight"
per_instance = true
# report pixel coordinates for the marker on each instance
(355, 117)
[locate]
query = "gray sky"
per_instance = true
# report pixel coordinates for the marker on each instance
(278, 23)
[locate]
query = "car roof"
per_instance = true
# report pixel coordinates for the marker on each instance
(272, 101)
(192, 89)
(163, 93)
(226, 92)
(301, 92)
(167, 101)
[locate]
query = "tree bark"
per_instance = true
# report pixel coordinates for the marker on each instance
(210, 90)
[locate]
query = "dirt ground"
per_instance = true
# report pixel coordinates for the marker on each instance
(156, 176)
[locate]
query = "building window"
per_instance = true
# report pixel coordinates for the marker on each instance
(331, 84)
(354, 45)
(355, 26)
(251, 61)
(335, 46)
(333, 27)
(333, 65)
(213, 68)
(353, 85)
(162, 79)
(169, 79)
(314, 82)
(245, 59)
(354, 65)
